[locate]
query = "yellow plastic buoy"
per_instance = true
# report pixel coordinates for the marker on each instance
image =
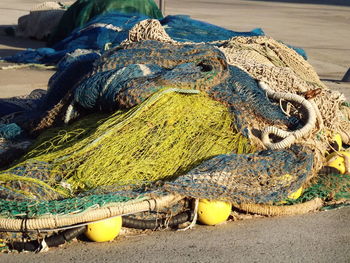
(105, 230)
(338, 161)
(337, 139)
(213, 212)
(296, 194)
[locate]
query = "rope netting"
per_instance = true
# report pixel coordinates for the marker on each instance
(161, 139)
(262, 177)
(189, 119)
(284, 70)
(35, 209)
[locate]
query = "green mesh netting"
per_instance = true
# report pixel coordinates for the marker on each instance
(34, 209)
(331, 187)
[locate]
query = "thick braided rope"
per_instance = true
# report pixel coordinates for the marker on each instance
(270, 210)
(289, 137)
(118, 209)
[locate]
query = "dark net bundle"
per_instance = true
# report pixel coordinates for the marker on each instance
(124, 77)
(262, 177)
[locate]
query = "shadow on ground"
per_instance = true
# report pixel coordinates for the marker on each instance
(332, 80)
(315, 2)
(8, 52)
(10, 45)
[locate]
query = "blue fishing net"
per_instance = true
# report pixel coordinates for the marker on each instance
(10, 131)
(71, 69)
(82, 11)
(25, 106)
(96, 34)
(124, 78)
(100, 90)
(184, 29)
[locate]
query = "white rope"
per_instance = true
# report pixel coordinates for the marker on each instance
(288, 137)
(194, 221)
(31, 65)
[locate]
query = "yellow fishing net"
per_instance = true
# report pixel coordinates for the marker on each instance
(162, 138)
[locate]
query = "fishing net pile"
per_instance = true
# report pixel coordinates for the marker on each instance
(243, 119)
(110, 29)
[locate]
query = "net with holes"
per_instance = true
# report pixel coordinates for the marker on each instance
(179, 109)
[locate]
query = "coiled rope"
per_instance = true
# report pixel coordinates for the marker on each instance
(289, 137)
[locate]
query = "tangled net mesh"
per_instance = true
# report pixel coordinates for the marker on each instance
(286, 71)
(166, 131)
(272, 62)
(160, 139)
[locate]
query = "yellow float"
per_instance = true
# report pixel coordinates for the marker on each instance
(340, 161)
(337, 140)
(296, 194)
(213, 212)
(105, 230)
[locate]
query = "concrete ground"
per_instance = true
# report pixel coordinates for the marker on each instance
(323, 30)
(320, 237)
